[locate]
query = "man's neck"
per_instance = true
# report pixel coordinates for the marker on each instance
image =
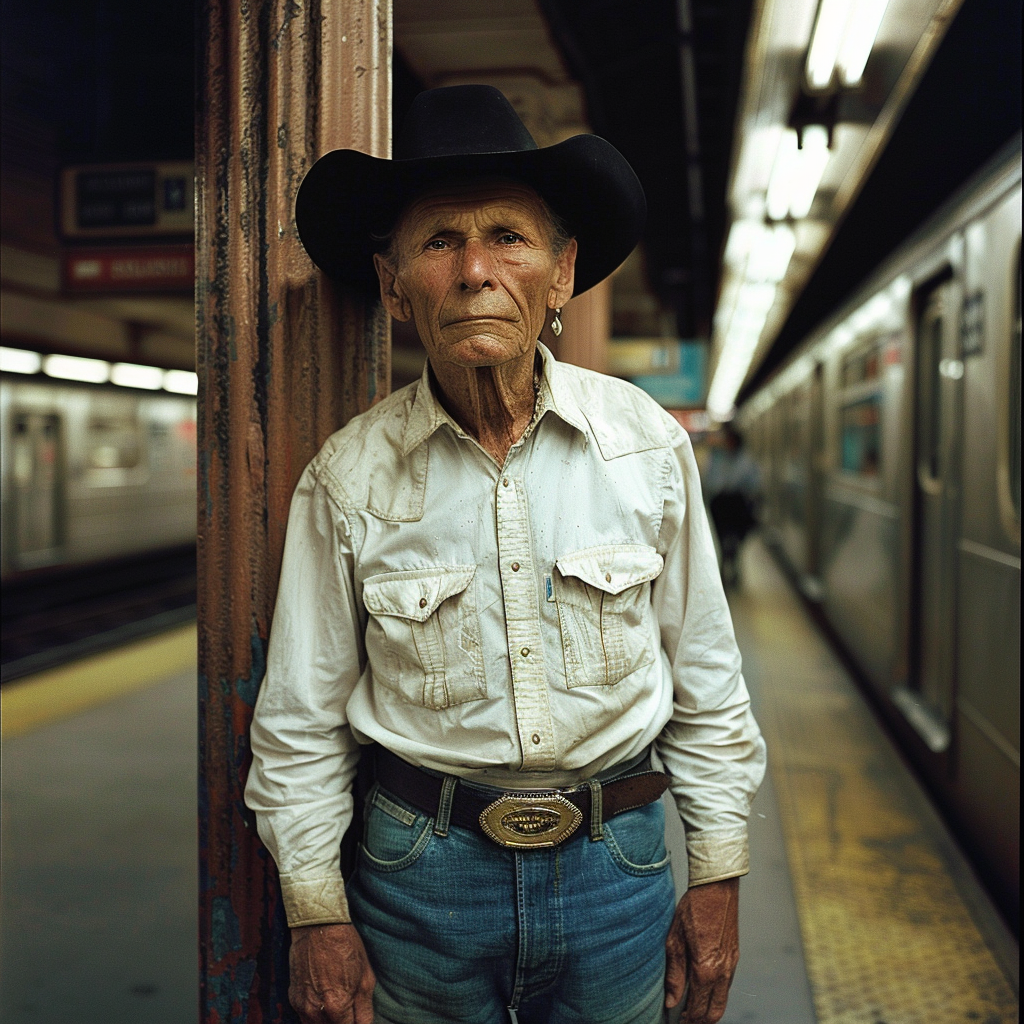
(494, 404)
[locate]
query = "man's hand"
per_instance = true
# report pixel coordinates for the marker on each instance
(703, 947)
(331, 980)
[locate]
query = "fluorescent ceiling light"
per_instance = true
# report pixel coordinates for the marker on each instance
(827, 40)
(18, 360)
(92, 371)
(743, 237)
(810, 167)
(844, 34)
(132, 375)
(797, 173)
(181, 382)
(783, 170)
(753, 304)
(861, 31)
(770, 254)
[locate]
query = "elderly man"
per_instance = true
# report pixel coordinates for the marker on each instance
(501, 577)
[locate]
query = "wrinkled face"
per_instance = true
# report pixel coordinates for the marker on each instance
(473, 266)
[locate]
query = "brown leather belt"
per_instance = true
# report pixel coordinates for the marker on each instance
(521, 818)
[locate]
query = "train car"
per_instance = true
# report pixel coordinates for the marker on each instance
(889, 446)
(92, 473)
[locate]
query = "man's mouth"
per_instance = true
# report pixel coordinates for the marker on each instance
(476, 317)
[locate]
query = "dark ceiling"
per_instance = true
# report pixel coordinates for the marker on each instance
(627, 56)
(966, 108)
(97, 80)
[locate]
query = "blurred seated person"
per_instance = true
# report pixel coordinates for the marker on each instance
(732, 484)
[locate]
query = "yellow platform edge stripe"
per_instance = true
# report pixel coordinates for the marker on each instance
(70, 689)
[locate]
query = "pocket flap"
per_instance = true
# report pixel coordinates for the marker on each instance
(415, 593)
(613, 568)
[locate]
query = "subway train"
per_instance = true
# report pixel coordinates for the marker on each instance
(92, 473)
(889, 449)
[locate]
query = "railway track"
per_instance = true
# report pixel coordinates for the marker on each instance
(51, 617)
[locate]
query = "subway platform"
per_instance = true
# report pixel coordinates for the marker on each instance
(859, 908)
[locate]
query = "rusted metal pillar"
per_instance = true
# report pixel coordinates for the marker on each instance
(587, 326)
(284, 358)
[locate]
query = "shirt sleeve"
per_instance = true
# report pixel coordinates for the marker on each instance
(711, 746)
(304, 753)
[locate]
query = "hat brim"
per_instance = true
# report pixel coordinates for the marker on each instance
(348, 197)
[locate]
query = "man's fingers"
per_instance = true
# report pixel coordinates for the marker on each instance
(706, 1000)
(675, 972)
(719, 1000)
(363, 1003)
(697, 1000)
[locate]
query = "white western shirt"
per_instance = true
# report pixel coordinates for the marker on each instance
(528, 625)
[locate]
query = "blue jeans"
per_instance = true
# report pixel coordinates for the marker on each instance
(459, 929)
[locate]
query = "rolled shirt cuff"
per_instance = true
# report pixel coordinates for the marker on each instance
(715, 856)
(315, 900)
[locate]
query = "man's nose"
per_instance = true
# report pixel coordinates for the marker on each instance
(477, 269)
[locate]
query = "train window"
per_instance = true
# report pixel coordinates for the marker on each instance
(861, 366)
(114, 447)
(861, 437)
(1015, 387)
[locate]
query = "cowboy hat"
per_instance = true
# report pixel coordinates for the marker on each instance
(348, 201)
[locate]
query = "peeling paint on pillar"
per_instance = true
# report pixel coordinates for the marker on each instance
(285, 358)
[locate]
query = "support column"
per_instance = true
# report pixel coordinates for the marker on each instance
(586, 329)
(284, 359)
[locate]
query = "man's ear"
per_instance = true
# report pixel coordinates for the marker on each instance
(391, 294)
(565, 277)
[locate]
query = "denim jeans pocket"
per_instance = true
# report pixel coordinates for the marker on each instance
(394, 834)
(635, 840)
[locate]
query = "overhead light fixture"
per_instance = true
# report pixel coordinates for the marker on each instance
(18, 360)
(781, 179)
(797, 172)
(742, 334)
(843, 37)
(181, 382)
(132, 375)
(861, 32)
(91, 371)
(813, 158)
(760, 252)
(99, 371)
(770, 255)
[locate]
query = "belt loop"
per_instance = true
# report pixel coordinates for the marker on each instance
(596, 811)
(444, 805)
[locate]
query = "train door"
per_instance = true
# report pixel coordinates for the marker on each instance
(815, 482)
(936, 508)
(37, 478)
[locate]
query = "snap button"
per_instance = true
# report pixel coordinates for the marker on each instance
(525, 651)
(607, 577)
(423, 602)
(535, 737)
(504, 483)
(515, 567)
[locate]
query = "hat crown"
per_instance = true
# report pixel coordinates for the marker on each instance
(461, 120)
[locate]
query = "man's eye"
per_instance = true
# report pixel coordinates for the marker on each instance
(437, 244)
(509, 238)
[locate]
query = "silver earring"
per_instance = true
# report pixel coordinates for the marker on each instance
(556, 324)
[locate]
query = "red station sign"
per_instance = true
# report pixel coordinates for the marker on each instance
(163, 268)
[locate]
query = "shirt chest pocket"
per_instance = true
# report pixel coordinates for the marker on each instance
(603, 596)
(423, 635)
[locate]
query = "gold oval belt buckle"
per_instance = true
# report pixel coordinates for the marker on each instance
(526, 821)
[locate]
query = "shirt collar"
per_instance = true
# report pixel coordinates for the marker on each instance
(555, 394)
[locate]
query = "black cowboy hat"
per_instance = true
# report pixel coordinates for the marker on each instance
(466, 131)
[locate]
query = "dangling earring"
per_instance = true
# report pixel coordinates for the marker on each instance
(556, 324)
